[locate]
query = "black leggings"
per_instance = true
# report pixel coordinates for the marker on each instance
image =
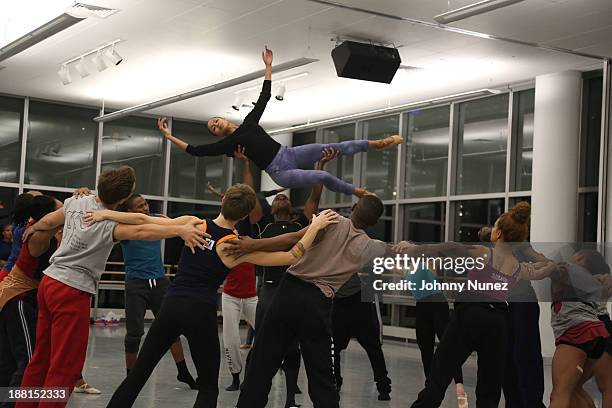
(480, 327)
(197, 321)
(292, 360)
(432, 317)
(352, 317)
(298, 311)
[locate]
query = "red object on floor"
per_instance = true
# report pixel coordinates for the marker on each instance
(62, 332)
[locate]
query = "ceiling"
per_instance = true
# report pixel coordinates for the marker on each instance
(172, 46)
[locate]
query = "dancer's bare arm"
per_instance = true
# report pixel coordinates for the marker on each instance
(278, 258)
(193, 233)
(39, 242)
(50, 221)
(312, 204)
(136, 218)
(244, 245)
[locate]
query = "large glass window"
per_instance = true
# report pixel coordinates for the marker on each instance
(238, 173)
(7, 199)
(472, 215)
(482, 145)
(300, 195)
(136, 141)
(427, 152)
(189, 175)
(383, 230)
(60, 148)
(381, 166)
(587, 210)
(523, 154)
(424, 222)
(11, 111)
(591, 130)
(342, 167)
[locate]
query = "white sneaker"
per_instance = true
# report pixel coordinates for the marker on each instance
(86, 389)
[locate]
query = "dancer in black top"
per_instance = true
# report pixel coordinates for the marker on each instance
(190, 307)
(280, 162)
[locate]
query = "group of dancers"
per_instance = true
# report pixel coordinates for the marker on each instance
(309, 302)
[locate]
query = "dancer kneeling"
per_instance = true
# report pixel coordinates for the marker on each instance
(190, 307)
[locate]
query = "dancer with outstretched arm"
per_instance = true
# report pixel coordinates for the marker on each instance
(280, 162)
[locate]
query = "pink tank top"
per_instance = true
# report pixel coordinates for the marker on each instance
(484, 280)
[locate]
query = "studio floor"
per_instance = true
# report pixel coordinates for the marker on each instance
(104, 369)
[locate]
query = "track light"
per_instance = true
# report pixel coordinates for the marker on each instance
(98, 60)
(113, 56)
(280, 92)
(474, 9)
(64, 74)
(81, 68)
(237, 103)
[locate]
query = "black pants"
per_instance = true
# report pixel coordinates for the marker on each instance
(473, 327)
(432, 315)
(197, 321)
(299, 311)
(352, 317)
(17, 337)
(524, 377)
(140, 295)
(292, 359)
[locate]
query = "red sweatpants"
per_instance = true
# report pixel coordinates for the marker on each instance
(62, 331)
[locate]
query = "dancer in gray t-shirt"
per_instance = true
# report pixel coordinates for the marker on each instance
(64, 294)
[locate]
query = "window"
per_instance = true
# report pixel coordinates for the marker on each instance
(238, 173)
(7, 199)
(427, 152)
(587, 210)
(381, 166)
(342, 167)
(300, 195)
(591, 130)
(383, 230)
(482, 145)
(189, 175)
(11, 111)
(60, 148)
(472, 215)
(136, 142)
(523, 149)
(424, 222)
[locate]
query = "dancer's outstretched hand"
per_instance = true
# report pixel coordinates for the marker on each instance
(162, 124)
(324, 219)
(327, 155)
(91, 217)
(238, 246)
(240, 154)
(194, 236)
(402, 246)
(267, 56)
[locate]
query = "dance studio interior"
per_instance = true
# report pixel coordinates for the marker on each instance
(242, 203)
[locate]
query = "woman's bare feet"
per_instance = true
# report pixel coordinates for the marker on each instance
(360, 192)
(386, 143)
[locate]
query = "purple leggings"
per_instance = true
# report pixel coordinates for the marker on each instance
(285, 171)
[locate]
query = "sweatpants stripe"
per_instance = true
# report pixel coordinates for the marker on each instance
(26, 331)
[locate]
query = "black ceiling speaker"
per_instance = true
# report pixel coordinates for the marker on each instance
(366, 61)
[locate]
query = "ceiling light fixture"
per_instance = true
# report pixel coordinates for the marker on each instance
(449, 98)
(113, 56)
(474, 9)
(237, 103)
(64, 74)
(202, 91)
(26, 18)
(280, 92)
(99, 61)
(81, 68)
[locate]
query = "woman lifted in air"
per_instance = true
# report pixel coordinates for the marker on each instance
(280, 162)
